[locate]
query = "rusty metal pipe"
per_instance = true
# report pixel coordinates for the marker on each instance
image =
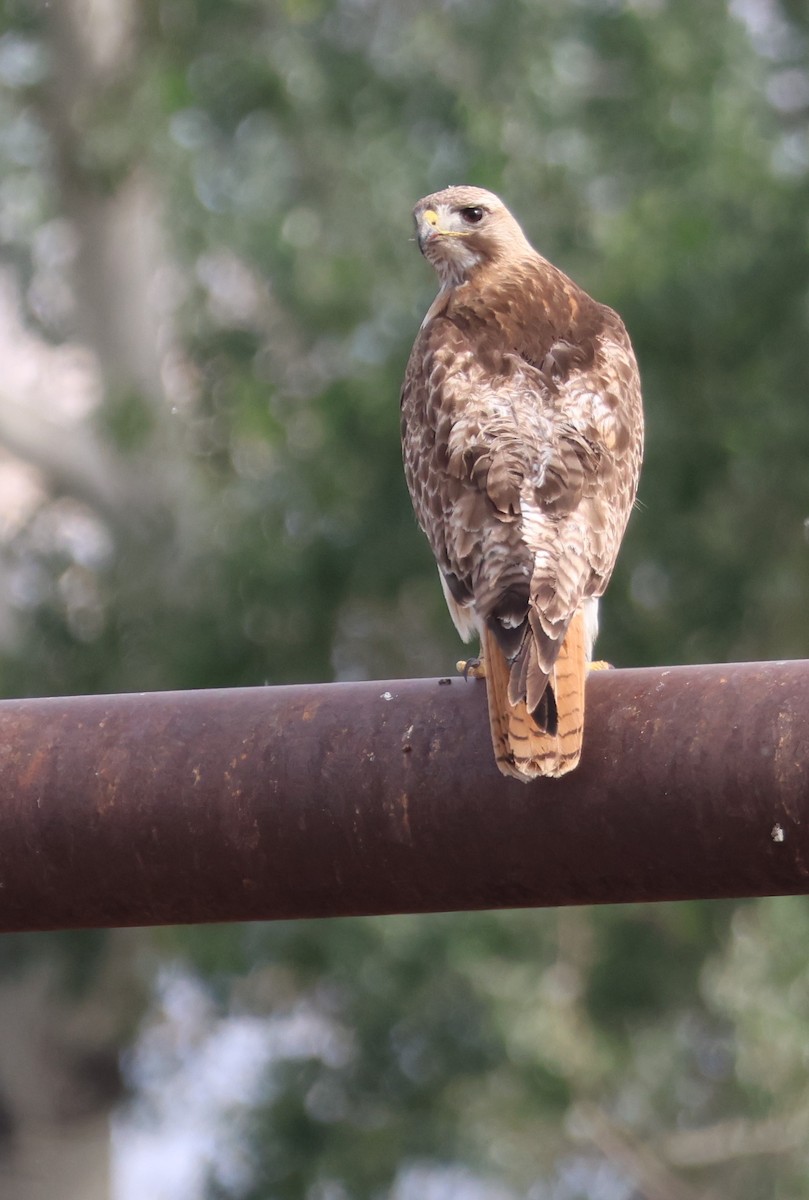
(383, 797)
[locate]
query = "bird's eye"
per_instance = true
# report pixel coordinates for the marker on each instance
(472, 215)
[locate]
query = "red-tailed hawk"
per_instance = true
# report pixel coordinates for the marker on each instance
(522, 432)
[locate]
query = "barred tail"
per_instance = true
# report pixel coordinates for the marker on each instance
(548, 741)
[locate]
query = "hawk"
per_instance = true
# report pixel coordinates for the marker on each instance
(522, 436)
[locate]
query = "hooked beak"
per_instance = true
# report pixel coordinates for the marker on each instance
(429, 228)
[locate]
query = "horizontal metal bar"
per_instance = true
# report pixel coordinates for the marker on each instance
(384, 797)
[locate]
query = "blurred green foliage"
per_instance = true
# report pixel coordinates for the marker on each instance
(660, 154)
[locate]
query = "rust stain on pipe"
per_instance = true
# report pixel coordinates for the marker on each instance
(383, 797)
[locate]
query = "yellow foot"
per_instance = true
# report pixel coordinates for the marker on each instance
(471, 668)
(600, 665)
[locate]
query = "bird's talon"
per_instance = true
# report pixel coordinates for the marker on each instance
(601, 665)
(471, 668)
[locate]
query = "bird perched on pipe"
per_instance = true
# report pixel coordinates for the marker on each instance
(522, 435)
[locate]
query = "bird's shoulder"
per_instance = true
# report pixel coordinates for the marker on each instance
(529, 312)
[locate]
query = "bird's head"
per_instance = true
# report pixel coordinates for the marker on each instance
(461, 228)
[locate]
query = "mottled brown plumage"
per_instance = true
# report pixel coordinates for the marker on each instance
(522, 433)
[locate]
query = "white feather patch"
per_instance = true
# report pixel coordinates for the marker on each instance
(463, 615)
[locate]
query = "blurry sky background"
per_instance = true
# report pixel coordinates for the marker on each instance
(208, 291)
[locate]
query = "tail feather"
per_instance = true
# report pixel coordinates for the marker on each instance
(548, 740)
